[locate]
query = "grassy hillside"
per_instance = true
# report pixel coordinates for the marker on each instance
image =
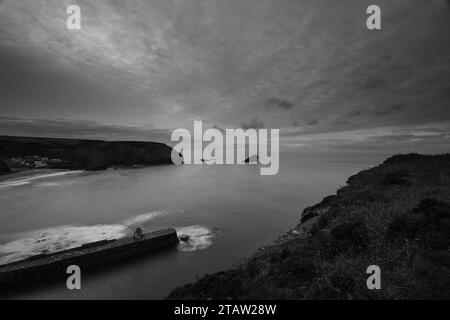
(87, 154)
(396, 216)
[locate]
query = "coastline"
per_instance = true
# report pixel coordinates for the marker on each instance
(395, 215)
(75, 154)
(26, 176)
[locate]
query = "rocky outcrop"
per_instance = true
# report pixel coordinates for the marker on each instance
(87, 154)
(4, 169)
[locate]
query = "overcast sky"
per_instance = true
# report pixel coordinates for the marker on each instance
(140, 68)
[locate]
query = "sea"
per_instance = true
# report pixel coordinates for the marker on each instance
(228, 211)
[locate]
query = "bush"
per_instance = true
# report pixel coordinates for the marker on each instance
(277, 256)
(351, 235)
(428, 223)
(343, 282)
(294, 271)
(252, 268)
(399, 178)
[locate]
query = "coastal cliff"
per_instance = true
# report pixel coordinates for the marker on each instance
(85, 154)
(395, 216)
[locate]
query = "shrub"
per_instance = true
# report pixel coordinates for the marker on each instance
(277, 256)
(252, 268)
(399, 178)
(343, 282)
(428, 223)
(351, 235)
(294, 271)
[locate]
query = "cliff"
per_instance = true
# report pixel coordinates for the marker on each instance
(395, 216)
(86, 154)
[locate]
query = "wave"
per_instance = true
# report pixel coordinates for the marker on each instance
(70, 236)
(27, 180)
(143, 218)
(66, 237)
(200, 237)
(56, 239)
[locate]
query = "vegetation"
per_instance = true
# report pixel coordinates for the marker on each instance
(87, 154)
(396, 216)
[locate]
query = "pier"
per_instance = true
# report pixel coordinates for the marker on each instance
(43, 266)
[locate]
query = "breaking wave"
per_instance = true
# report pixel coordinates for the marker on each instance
(27, 180)
(199, 237)
(66, 237)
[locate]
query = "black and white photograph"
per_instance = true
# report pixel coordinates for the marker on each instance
(191, 152)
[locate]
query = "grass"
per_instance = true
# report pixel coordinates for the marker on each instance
(396, 216)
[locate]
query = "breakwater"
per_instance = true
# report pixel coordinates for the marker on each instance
(93, 254)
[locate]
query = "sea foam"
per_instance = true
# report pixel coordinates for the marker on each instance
(68, 236)
(27, 180)
(200, 237)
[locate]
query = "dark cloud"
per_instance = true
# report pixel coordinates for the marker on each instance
(168, 62)
(279, 103)
(443, 92)
(342, 122)
(37, 85)
(252, 124)
(395, 138)
(374, 83)
(385, 110)
(309, 122)
(355, 113)
(378, 110)
(312, 122)
(218, 128)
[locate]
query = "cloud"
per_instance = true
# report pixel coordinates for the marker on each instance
(385, 110)
(82, 129)
(434, 137)
(355, 113)
(165, 63)
(252, 124)
(279, 103)
(396, 138)
(218, 128)
(374, 83)
(378, 110)
(312, 122)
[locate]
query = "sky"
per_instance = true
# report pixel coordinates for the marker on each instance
(139, 69)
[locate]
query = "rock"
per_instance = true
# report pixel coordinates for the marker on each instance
(184, 237)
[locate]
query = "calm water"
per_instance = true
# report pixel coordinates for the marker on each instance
(228, 210)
